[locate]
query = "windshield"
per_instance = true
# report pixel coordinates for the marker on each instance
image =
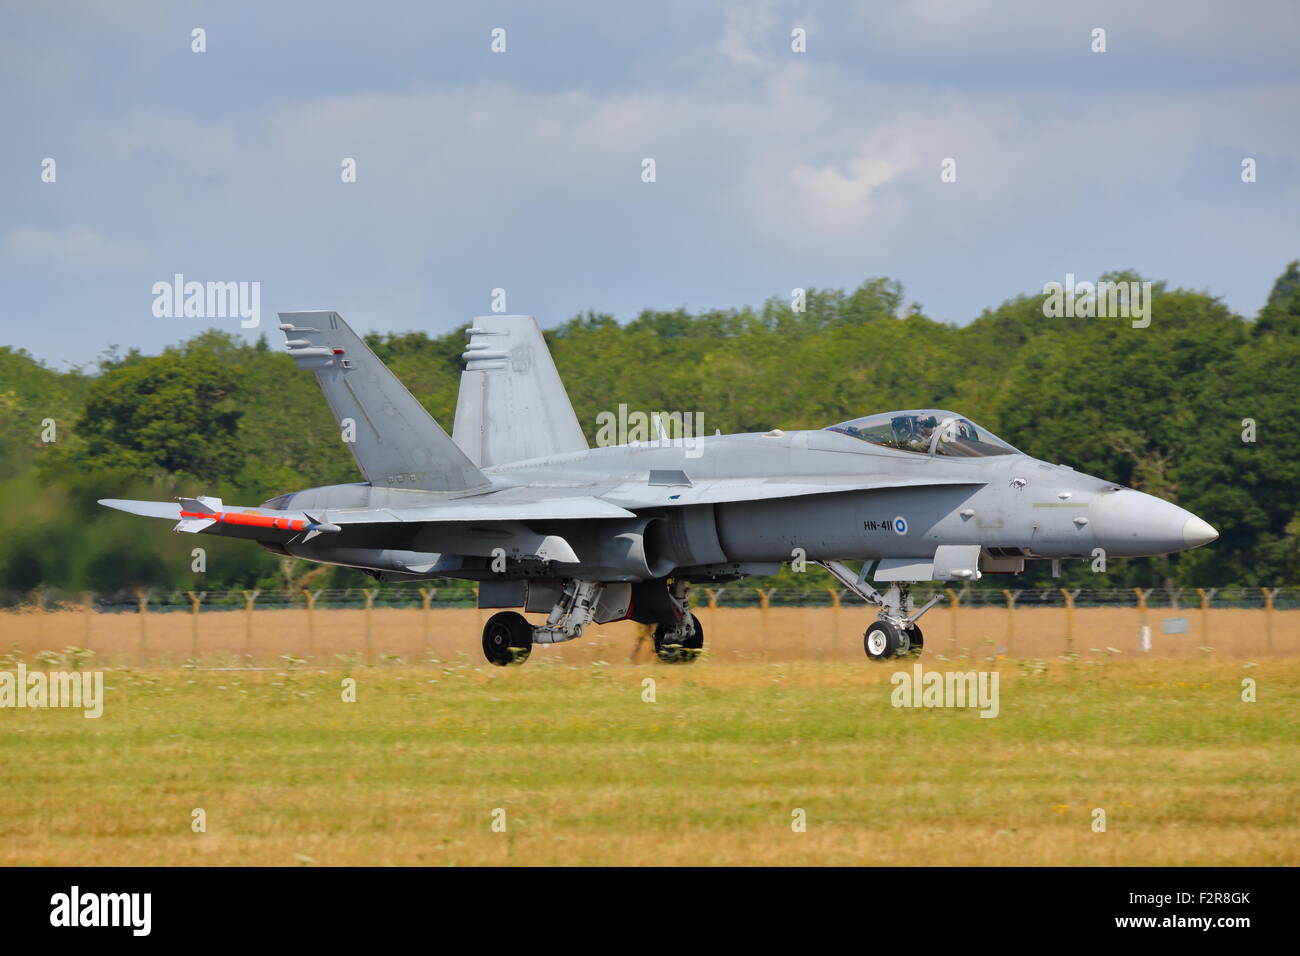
(921, 429)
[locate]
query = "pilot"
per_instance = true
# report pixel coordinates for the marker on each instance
(909, 434)
(904, 430)
(925, 431)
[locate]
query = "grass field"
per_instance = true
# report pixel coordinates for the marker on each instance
(711, 772)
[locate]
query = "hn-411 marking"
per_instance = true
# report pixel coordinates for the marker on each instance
(516, 500)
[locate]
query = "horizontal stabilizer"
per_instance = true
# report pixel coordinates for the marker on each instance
(147, 509)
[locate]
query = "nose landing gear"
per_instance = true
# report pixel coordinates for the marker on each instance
(895, 632)
(885, 639)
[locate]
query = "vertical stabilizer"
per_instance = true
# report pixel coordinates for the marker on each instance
(512, 404)
(394, 440)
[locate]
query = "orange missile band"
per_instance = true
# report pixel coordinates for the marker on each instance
(252, 520)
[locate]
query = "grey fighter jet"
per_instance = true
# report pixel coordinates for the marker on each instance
(516, 500)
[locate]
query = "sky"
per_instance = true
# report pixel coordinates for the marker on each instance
(523, 170)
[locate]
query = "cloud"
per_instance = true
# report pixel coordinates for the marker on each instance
(775, 169)
(78, 246)
(748, 34)
(809, 167)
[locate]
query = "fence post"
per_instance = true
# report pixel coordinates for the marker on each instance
(1144, 637)
(1069, 620)
(1269, 594)
(194, 622)
(1205, 596)
(249, 598)
(762, 613)
(426, 600)
(38, 608)
(370, 604)
(952, 604)
(1011, 617)
(835, 622)
(311, 620)
(714, 595)
(88, 602)
(142, 602)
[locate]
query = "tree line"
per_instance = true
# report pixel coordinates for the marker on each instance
(1199, 407)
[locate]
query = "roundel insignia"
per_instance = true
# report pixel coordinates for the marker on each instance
(900, 525)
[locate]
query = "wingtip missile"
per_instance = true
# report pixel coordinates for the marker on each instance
(197, 514)
(319, 527)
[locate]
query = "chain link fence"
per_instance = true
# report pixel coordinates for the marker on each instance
(464, 595)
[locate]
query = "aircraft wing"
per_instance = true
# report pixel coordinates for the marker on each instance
(512, 505)
(487, 508)
(670, 489)
(661, 491)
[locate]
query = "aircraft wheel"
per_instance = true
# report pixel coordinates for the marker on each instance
(916, 641)
(674, 650)
(507, 638)
(881, 641)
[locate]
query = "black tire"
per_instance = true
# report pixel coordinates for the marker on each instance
(507, 639)
(679, 653)
(881, 641)
(917, 640)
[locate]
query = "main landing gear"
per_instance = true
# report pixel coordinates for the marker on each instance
(682, 641)
(508, 637)
(678, 645)
(894, 633)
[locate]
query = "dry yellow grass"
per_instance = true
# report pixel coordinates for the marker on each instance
(732, 634)
(588, 772)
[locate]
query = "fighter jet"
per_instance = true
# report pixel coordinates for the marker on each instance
(516, 500)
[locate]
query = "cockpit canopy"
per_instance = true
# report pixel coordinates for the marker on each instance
(926, 431)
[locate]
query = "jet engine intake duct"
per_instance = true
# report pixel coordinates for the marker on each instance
(634, 548)
(688, 536)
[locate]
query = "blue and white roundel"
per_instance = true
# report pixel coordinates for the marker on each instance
(900, 525)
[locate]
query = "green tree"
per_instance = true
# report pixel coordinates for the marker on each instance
(174, 413)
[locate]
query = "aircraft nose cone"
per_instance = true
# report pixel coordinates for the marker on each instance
(1197, 532)
(1134, 524)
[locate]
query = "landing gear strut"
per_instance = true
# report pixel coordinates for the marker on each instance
(508, 638)
(895, 632)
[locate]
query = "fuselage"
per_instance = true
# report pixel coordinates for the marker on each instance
(1008, 504)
